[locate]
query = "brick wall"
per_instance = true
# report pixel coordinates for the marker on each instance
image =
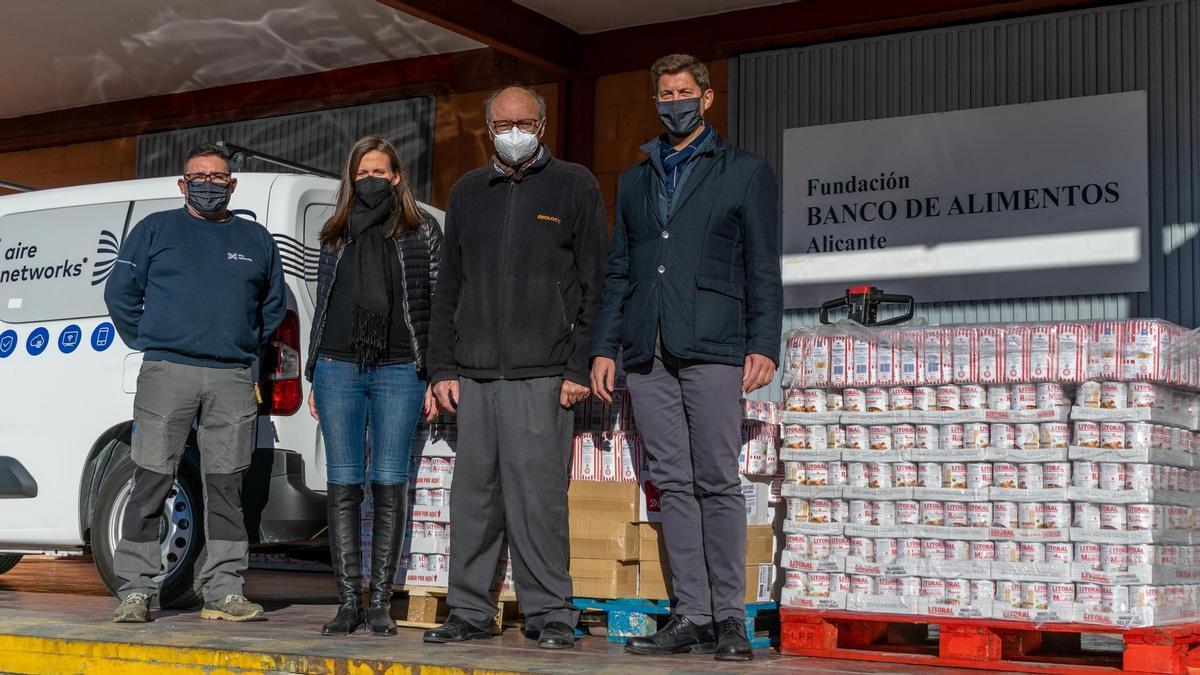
(626, 119)
(77, 164)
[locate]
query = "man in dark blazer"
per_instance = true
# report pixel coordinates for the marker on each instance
(693, 300)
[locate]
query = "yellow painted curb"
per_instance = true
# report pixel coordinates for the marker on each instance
(37, 655)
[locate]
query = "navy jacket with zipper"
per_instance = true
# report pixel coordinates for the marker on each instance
(707, 275)
(420, 253)
(521, 279)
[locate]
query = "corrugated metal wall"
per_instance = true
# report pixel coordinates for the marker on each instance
(319, 139)
(1152, 46)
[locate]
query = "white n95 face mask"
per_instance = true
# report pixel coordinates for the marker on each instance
(515, 146)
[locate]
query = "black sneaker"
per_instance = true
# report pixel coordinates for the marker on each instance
(678, 636)
(732, 643)
(456, 630)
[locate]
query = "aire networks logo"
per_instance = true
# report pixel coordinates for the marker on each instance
(27, 266)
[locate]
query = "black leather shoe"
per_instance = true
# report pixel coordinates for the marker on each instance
(678, 636)
(732, 643)
(456, 630)
(343, 503)
(556, 635)
(387, 533)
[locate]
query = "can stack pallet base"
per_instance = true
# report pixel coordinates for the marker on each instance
(425, 608)
(985, 644)
(637, 617)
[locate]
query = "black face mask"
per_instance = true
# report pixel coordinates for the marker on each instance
(372, 190)
(208, 199)
(681, 116)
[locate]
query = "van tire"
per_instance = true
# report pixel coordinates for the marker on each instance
(181, 588)
(9, 561)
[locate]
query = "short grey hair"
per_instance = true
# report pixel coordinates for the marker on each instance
(541, 102)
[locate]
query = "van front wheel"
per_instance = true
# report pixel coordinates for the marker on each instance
(181, 529)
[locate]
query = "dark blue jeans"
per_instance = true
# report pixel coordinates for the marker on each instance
(385, 401)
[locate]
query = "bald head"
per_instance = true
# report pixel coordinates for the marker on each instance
(515, 103)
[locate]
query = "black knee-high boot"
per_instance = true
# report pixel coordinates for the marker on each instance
(345, 547)
(391, 509)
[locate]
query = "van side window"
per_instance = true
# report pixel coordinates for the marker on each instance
(54, 262)
(315, 217)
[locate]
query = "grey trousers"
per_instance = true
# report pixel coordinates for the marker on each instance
(169, 398)
(689, 418)
(511, 471)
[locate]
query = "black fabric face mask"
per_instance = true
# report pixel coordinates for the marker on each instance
(372, 190)
(681, 116)
(208, 199)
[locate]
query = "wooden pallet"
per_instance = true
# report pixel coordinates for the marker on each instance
(637, 617)
(424, 607)
(985, 643)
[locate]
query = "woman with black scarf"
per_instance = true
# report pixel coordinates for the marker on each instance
(366, 361)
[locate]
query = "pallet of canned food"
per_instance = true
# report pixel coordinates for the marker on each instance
(1036, 472)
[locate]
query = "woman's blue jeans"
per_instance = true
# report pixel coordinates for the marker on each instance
(385, 402)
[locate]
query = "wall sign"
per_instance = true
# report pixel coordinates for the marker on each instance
(1036, 199)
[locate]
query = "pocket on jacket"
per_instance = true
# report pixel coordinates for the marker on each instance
(539, 327)
(718, 310)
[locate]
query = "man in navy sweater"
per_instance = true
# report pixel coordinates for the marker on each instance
(198, 291)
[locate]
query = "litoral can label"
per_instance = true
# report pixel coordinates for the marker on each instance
(857, 474)
(1112, 516)
(1056, 515)
(861, 584)
(880, 437)
(951, 437)
(999, 397)
(857, 437)
(820, 511)
(418, 530)
(793, 473)
(1056, 475)
(860, 512)
(835, 402)
(1141, 516)
(1112, 435)
(1009, 592)
(1087, 594)
(983, 550)
(885, 550)
(437, 497)
(1062, 592)
(1004, 514)
(879, 475)
(436, 530)
(1139, 476)
(907, 512)
(1028, 437)
(798, 510)
(1140, 436)
(933, 549)
(1030, 515)
(1113, 395)
(927, 436)
(1087, 435)
(956, 514)
(795, 580)
(797, 543)
(815, 401)
(439, 563)
(979, 475)
(855, 400)
(903, 436)
(1024, 397)
(958, 592)
(1049, 395)
(888, 586)
(818, 584)
(840, 582)
(932, 513)
(1007, 551)
(948, 397)
(1085, 474)
(794, 437)
(910, 586)
(862, 548)
(982, 589)
(1087, 395)
(1059, 552)
(910, 547)
(924, 398)
(957, 550)
(902, 398)
(1112, 476)
(972, 397)
(929, 474)
(1088, 554)
(976, 435)
(1004, 475)
(905, 474)
(1142, 395)
(422, 497)
(816, 436)
(1140, 554)
(1114, 557)
(883, 513)
(1002, 436)
(1035, 595)
(954, 475)
(979, 514)
(934, 589)
(1055, 435)
(1030, 476)
(1144, 597)
(794, 400)
(1087, 515)
(877, 400)
(816, 473)
(835, 436)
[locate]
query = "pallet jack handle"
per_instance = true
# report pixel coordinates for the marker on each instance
(864, 302)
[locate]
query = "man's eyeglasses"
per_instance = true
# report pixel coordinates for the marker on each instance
(505, 126)
(214, 178)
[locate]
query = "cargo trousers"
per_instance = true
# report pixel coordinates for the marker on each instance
(170, 397)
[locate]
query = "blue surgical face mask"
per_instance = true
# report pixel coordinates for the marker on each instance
(680, 116)
(208, 199)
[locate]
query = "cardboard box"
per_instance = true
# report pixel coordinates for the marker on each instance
(654, 581)
(612, 501)
(760, 543)
(604, 578)
(603, 539)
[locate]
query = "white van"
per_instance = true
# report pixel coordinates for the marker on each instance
(67, 381)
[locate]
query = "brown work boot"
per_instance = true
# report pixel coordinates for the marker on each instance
(233, 608)
(135, 608)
